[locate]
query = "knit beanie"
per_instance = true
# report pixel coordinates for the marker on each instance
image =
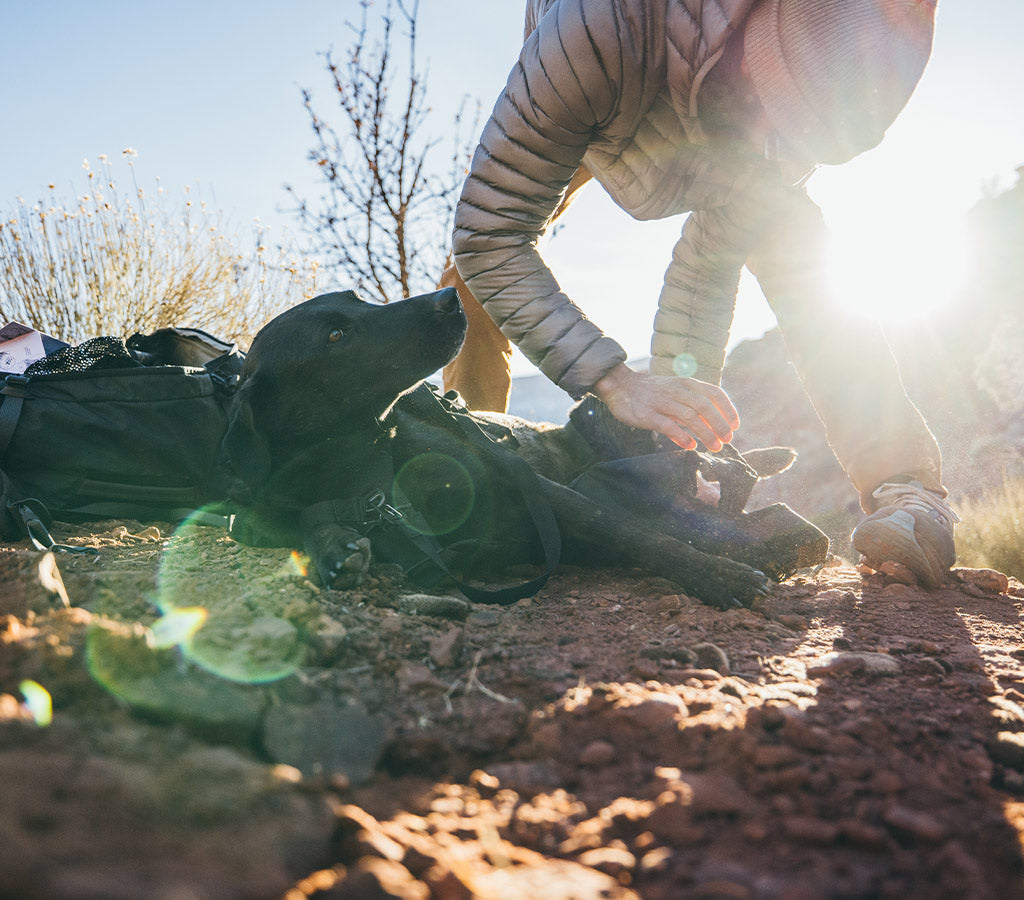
(834, 74)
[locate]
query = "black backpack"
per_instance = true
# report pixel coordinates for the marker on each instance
(115, 428)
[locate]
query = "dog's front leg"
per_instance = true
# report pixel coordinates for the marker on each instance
(340, 555)
(596, 534)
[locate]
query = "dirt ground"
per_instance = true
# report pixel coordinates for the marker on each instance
(849, 737)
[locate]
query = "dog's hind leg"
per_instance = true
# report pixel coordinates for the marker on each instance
(595, 534)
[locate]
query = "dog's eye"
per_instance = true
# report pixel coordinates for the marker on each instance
(335, 335)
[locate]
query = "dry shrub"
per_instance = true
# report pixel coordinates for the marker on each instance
(991, 530)
(115, 262)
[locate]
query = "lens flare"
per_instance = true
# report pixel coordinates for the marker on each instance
(440, 489)
(299, 563)
(176, 627)
(38, 702)
(230, 621)
(684, 365)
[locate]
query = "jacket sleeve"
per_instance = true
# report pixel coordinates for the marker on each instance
(575, 70)
(697, 302)
(698, 299)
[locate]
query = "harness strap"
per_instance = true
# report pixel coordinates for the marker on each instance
(10, 412)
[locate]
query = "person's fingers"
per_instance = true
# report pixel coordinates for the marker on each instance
(701, 418)
(717, 405)
(674, 432)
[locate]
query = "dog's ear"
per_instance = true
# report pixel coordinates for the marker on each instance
(247, 451)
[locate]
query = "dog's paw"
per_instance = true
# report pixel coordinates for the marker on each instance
(733, 585)
(340, 555)
(346, 570)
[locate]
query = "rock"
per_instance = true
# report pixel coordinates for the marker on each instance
(846, 662)
(772, 756)
(988, 580)
(659, 710)
(380, 879)
(525, 778)
(1007, 748)
(898, 572)
(442, 607)
(792, 621)
(446, 649)
(597, 753)
(672, 822)
(484, 618)
(325, 738)
(919, 824)
(417, 677)
(803, 736)
(711, 656)
(862, 834)
(552, 879)
(810, 830)
(714, 793)
(611, 860)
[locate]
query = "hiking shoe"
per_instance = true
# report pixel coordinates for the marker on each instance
(912, 526)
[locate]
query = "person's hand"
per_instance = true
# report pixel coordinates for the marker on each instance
(683, 409)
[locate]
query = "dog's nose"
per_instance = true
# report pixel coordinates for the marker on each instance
(447, 301)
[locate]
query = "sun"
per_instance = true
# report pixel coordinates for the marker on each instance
(898, 261)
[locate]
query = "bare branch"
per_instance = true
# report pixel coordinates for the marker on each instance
(383, 220)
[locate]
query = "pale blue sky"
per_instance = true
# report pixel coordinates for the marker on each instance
(208, 93)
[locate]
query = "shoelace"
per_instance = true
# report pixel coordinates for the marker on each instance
(913, 496)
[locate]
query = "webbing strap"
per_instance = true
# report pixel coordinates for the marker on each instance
(10, 412)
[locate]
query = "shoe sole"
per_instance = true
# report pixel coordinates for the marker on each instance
(893, 538)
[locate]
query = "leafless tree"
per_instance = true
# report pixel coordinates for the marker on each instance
(383, 221)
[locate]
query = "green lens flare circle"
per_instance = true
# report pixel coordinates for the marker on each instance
(439, 489)
(230, 619)
(684, 365)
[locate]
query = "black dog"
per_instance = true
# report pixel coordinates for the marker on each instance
(334, 441)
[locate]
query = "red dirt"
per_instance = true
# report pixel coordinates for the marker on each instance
(609, 738)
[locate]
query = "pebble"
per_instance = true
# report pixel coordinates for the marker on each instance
(919, 824)
(660, 710)
(799, 734)
(597, 753)
(484, 618)
(611, 860)
(383, 879)
(446, 649)
(898, 573)
(1008, 749)
(711, 656)
(847, 662)
(792, 621)
(417, 677)
(771, 756)
(862, 834)
(443, 607)
(810, 830)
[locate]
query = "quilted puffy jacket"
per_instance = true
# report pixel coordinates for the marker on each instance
(614, 85)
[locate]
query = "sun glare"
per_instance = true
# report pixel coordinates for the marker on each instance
(894, 265)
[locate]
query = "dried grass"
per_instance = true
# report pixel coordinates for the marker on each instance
(115, 261)
(991, 530)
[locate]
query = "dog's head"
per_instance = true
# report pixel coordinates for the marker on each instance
(331, 365)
